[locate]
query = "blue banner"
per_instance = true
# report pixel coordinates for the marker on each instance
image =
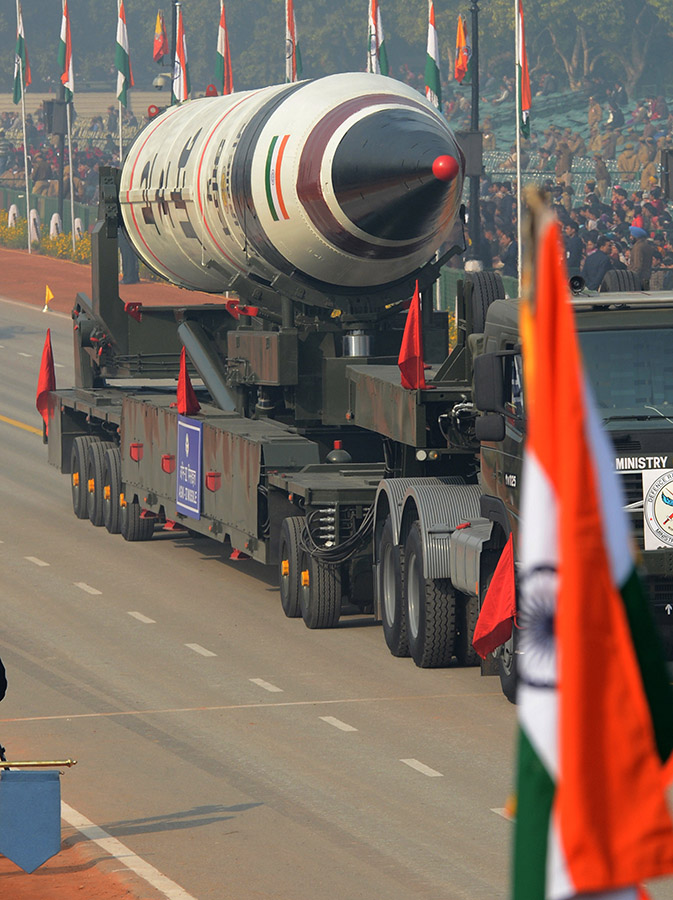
(188, 487)
(30, 817)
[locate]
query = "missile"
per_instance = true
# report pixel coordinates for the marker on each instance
(344, 183)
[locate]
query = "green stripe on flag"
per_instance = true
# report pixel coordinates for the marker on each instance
(267, 178)
(535, 795)
(650, 656)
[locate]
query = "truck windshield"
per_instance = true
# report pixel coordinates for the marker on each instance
(631, 371)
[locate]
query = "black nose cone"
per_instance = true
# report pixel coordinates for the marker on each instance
(383, 177)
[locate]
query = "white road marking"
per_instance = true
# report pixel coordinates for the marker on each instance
(34, 559)
(27, 355)
(197, 648)
(83, 586)
(141, 618)
(267, 687)
(121, 852)
(342, 726)
(59, 366)
(502, 811)
(422, 768)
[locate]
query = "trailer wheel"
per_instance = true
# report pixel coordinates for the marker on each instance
(389, 589)
(95, 481)
(467, 613)
(112, 488)
(289, 575)
(78, 474)
(507, 667)
(133, 526)
(319, 593)
(431, 609)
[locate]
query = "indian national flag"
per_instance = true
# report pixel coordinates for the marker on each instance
(522, 76)
(274, 192)
(122, 60)
(223, 76)
(21, 65)
(65, 55)
(180, 66)
(594, 701)
(377, 57)
(293, 67)
(463, 52)
(433, 87)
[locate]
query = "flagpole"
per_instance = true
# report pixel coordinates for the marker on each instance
(72, 195)
(517, 74)
(23, 123)
(121, 153)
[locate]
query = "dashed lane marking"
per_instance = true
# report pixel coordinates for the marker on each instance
(197, 648)
(83, 586)
(21, 425)
(26, 355)
(342, 726)
(502, 811)
(141, 618)
(422, 768)
(162, 883)
(59, 366)
(267, 687)
(34, 559)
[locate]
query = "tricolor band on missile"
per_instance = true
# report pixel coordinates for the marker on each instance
(347, 182)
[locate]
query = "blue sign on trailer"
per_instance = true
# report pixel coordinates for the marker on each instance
(188, 489)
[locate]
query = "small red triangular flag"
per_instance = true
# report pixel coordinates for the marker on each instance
(46, 381)
(494, 625)
(410, 359)
(188, 405)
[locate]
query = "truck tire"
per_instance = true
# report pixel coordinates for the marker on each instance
(95, 481)
(390, 593)
(133, 526)
(289, 574)
(112, 488)
(486, 287)
(431, 609)
(620, 281)
(467, 613)
(507, 667)
(79, 475)
(319, 593)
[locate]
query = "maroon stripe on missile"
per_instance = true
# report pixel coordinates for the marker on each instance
(309, 188)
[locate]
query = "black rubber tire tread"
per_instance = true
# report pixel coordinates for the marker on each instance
(290, 549)
(434, 645)
(78, 464)
(620, 281)
(467, 613)
(486, 287)
(320, 600)
(395, 632)
(112, 476)
(94, 499)
(508, 674)
(132, 526)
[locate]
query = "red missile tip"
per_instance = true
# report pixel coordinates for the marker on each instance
(445, 168)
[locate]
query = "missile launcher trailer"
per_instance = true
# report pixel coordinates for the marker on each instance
(319, 205)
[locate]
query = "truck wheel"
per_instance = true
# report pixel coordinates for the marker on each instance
(133, 526)
(289, 571)
(389, 589)
(431, 609)
(486, 287)
(78, 474)
(319, 593)
(467, 613)
(620, 281)
(95, 481)
(112, 488)
(507, 667)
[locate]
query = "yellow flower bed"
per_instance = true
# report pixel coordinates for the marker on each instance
(60, 247)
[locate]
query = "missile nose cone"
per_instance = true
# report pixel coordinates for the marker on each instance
(445, 168)
(394, 175)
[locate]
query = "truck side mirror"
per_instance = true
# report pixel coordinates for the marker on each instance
(489, 383)
(490, 427)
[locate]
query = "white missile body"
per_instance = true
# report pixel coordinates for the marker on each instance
(329, 182)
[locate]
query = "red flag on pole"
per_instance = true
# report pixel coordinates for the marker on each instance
(411, 352)
(188, 405)
(494, 625)
(46, 381)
